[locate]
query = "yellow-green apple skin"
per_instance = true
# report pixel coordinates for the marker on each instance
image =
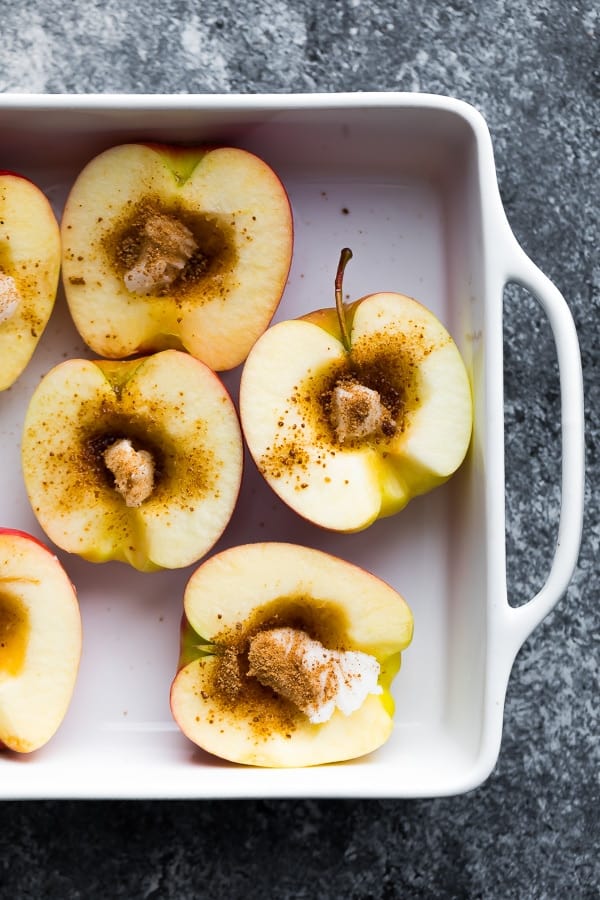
(29, 271)
(168, 404)
(40, 642)
(253, 587)
(400, 349)
(239, 215)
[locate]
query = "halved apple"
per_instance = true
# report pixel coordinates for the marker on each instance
(136, 460)
(287, 656)
(171, 247)
(40, 642)
(29, 270)
(350, 412)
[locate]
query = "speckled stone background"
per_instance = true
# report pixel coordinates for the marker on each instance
(531, 831)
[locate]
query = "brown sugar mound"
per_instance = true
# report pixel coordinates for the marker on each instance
(277, 660)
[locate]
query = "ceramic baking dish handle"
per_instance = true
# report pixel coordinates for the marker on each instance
(520, 269)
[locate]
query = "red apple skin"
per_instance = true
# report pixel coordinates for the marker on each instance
(17, 745)
(24, 534)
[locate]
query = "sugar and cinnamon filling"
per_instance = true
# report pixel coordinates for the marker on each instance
(9, 296)
(133, 471)
(310, 676)
(357, 412)
(166, 247)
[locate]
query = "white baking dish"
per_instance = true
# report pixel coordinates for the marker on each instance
(408, 182)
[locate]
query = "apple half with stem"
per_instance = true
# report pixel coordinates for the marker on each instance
(173, 247)
(29, 271)
(350, 412)
(287, 656)
(40, 642)
(133, 460)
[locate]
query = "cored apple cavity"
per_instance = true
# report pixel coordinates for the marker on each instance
(239, 683)
(116, 455)
(14, 633)
(160, 249)
(370, 394)
(135, 459)
(367, 397)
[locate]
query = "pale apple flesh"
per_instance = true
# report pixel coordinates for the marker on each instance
(40, 642)
(169, 406)
(255, 587)
(29, 272)
(212, 292)
(399, 350)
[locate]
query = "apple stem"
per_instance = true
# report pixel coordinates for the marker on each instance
(345, 257)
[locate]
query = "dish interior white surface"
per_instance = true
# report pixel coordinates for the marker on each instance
(400, 187)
